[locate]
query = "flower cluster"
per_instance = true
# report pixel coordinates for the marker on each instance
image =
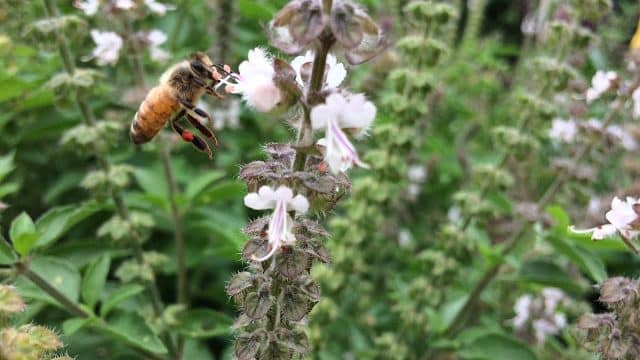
(277, 292)
(569, 131)
(109, 44)
(539, 315)
(614, 335)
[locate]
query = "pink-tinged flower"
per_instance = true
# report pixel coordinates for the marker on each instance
(155, 39)
(88, 7)
(563, 130)
(337, 113)
(548, 326)
(3, 206)
(107, 50)
(125, 4)
(256, 81)
(622, 218)
(600, 84)
(552, 297)
(158, 8)
(334, 75)
(281, 201)
(626, 140)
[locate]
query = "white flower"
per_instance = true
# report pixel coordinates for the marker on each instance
(417, 173)
(563, 130)
(157, 38)
(88, 7)
(636, 103)
(594, 124)
(108, 45)
(552, 297)
(125, 4)
(256, 81)
(600, 83)
(337, 113)
(548, 326)
(404, 238)
(626, 140)
(621, 218)
(522, 308)
(280, 224)
(335, 71)
(158, 8)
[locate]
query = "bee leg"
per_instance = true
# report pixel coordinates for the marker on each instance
(195, 140)
(199, 116)
(203, 129)
(208, 88)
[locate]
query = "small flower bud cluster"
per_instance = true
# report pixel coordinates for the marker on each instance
(276, 292)
(118, 229)
(616, 334)
(102, 183)
(25, 341)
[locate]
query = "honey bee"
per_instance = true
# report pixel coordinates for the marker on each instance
(175, 97)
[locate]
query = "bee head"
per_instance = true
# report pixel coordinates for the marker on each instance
(200, 65)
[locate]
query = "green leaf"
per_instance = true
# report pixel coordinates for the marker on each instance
(118, 296)
(151, 181)
(57, 272)
(497, 347)
(6, 165)
(58, 220)
(132, 329)
(7, 256)
(71, 326)
(94, 279)
(255, 10)
(9, 188)
(549, 274)
(23, 233)
(200, 183)
(205, 323)
(227, 190)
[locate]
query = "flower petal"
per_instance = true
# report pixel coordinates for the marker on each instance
(299, 204)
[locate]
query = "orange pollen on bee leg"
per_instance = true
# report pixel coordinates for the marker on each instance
(187, 136)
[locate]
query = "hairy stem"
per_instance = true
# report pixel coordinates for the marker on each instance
(305, 135)
(489, 274)
(121, 207)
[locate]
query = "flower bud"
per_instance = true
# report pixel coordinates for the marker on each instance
(10, 301)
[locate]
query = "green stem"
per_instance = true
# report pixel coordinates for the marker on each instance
(305, 134)
(488, 276)
(89, 118)
(72, 307)
(181, 285)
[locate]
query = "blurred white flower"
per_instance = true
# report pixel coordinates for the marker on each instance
(636, 102)
(548, 326)
(417, 173)
(404, 238)
(335, 71)
(600, 83)
(107, 50)
(593, 124)
(125, 4)
(280, 224)
(522, 308)
(88, 7)
(3, 206)
(158, 8)
(256, 81)
(339, 112)
(563, 130)
(552, 297)
(156, 38)
(454, 215)
(621, 217)
(626, 140)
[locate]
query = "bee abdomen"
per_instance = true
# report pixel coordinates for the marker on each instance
(154, 112)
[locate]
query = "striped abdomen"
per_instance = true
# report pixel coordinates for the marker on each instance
(157, 108)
